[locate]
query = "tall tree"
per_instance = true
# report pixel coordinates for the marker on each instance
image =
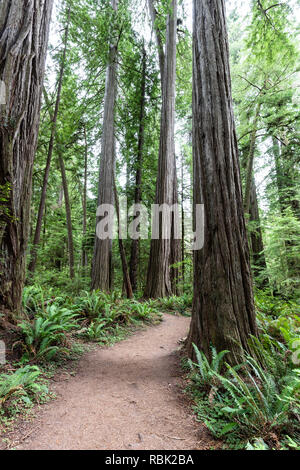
(223, 311)
(38, 228)
(101, 265)
(65, 192)
(257, 245)
(159, 283)
(126, 276)
(84, 200)
(24, 30)
(68, 211)
(135, 244)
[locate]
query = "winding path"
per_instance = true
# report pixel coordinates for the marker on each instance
(124, 397)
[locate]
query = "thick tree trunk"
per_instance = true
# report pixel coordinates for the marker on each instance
(135, 244)
(68, 214)
(223, 310)
(158, 278)
(24, 29)
(257, 245)
(37, 234)
(102, 258)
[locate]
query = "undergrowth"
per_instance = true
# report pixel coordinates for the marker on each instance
(57, 328)
(255, 406)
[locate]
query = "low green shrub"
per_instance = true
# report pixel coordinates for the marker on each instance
(45, 335)
(24, 383)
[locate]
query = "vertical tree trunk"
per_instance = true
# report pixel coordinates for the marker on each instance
(287, 199)
(102, 258)
(182, 223)
(175, 244)
(84, 209)
(286, 181)
(223, 310)
(250, 162)
(158, 278)
(24, 29)
(37, 234)
(135, 244)
(126, 277)
(257, 245)
(160, 45)
(68, 214)
(64, 193)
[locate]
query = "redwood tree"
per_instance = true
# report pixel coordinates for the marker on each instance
(101, 265)
(163, 253)
(24, 31)
(223, 309)
(135, 244)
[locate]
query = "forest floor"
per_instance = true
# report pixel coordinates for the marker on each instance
(129, 396)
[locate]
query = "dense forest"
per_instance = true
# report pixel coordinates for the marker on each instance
(149, 188)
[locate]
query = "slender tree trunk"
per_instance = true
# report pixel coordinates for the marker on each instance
(126, 277)
(285, 180)
(84, 208)
(68, 214)
(182, 223)
(24, 29)
(135, 244)
(102, 259)
(65, 193)
(158, 278)
(175, 244)
(160, 45)
(223, 307)
(37, 234)
(287, 199)
(257, 245)
(250, 162)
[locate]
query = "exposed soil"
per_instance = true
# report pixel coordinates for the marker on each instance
(125, 397)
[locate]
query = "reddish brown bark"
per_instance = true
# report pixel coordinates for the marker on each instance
(223, 310)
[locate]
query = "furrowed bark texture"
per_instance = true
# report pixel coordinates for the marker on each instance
(158, 277)
(102, 259)
(223, 310)
(24, 30)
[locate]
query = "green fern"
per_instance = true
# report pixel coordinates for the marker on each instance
(205, 371)
(23, 382)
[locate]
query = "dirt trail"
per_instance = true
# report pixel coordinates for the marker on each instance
(124, 397)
